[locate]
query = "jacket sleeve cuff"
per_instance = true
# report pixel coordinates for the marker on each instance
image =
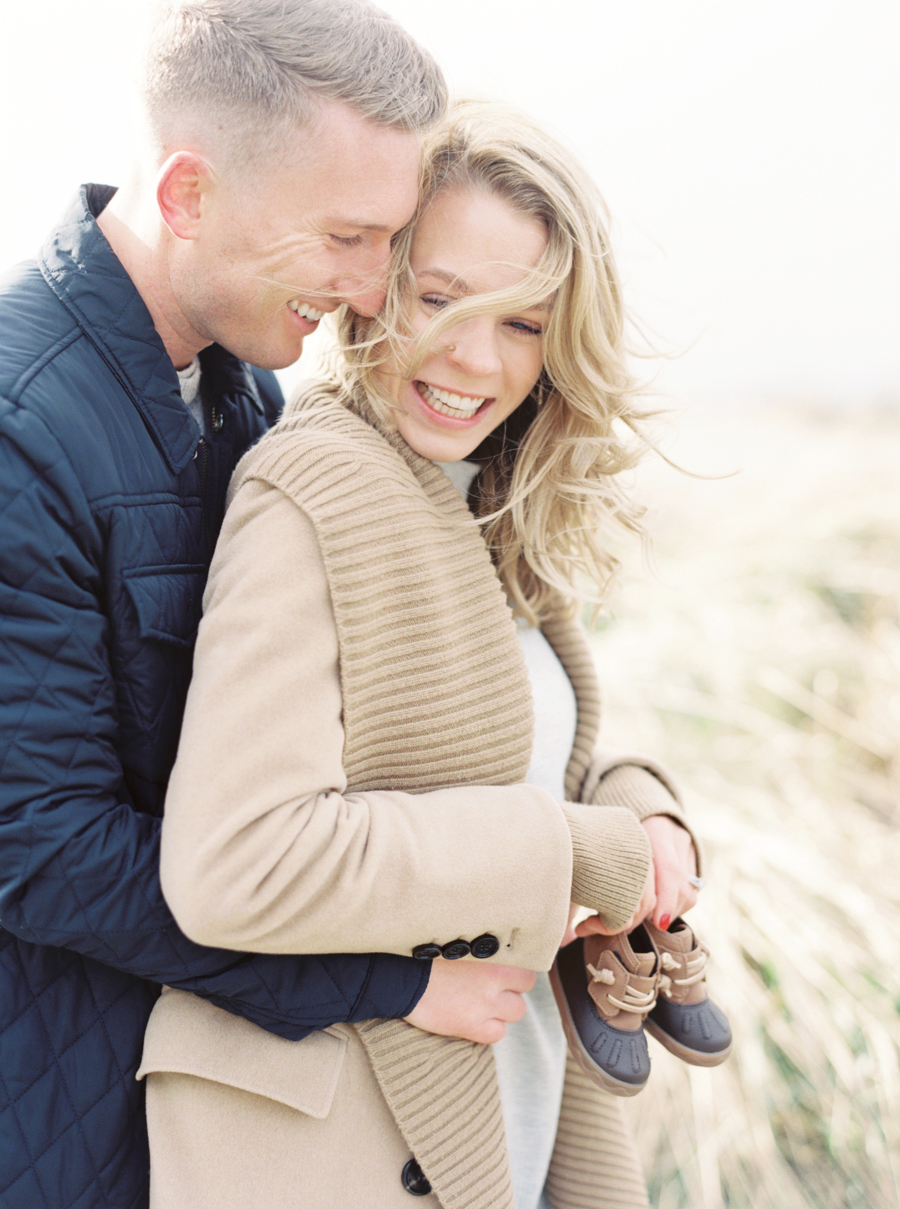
(611, 856)
(393, 988)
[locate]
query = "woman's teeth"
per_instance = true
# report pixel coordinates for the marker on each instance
(305, 311)
(460, 406)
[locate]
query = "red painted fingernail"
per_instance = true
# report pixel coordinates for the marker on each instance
(664, 921)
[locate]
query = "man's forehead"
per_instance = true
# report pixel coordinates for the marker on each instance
(338, 128)
(378, 157)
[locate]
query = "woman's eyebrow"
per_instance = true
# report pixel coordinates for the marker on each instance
(449, 278)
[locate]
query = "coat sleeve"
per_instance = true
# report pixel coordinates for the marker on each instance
(264, 848)
(79, 867)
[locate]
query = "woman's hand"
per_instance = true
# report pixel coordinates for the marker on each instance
(674, 861)
(473, 1000)
(667, 892)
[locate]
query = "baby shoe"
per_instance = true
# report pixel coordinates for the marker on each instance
(604, 988)
(685, 1020)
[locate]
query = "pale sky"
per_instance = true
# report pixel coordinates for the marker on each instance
(748, 150)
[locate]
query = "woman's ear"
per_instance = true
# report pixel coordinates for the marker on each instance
(183, 180)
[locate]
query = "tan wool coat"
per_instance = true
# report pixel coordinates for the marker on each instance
(351, 779)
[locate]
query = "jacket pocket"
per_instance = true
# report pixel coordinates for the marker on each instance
(155, 615)
(167, 601)
(189, 1036)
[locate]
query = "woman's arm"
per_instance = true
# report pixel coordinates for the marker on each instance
(264, 850)
(645, 787)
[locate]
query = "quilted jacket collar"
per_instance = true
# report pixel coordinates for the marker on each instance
(89, 280)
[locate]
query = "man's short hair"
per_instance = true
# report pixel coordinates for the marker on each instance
(244, 71)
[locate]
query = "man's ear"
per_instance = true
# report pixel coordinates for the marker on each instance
(183, 181)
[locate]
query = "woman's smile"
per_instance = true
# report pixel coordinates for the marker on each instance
(450, 404)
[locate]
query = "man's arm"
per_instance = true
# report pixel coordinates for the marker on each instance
(78, 865)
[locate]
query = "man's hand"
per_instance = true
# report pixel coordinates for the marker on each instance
(472, 1000)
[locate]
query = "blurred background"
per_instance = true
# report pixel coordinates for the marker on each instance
(748, 152)
(749, 155)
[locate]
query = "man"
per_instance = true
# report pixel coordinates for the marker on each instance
(280, 157)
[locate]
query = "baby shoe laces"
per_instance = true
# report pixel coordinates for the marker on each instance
(634, 1000)
(694, 964)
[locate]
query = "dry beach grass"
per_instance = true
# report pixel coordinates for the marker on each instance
(760, 658)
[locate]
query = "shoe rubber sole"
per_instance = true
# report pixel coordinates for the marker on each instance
(694, 1057)
(596, 1074)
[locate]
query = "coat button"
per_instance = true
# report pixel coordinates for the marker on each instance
(485, 946)
(456, 949)
(426, 952)
(414, 1180)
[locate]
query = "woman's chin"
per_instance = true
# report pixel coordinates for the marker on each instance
(439, 437)
(441, 446)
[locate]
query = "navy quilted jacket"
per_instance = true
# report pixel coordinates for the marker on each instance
(109, 506)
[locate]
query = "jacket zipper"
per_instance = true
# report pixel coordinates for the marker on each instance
(216, 420)
(203, 451)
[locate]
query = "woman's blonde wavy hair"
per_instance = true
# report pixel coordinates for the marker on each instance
(547, 493)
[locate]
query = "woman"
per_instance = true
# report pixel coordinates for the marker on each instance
(358, 768)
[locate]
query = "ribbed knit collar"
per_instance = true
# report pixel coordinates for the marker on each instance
(565, 636)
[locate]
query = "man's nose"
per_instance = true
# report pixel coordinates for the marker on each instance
(473, 347)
